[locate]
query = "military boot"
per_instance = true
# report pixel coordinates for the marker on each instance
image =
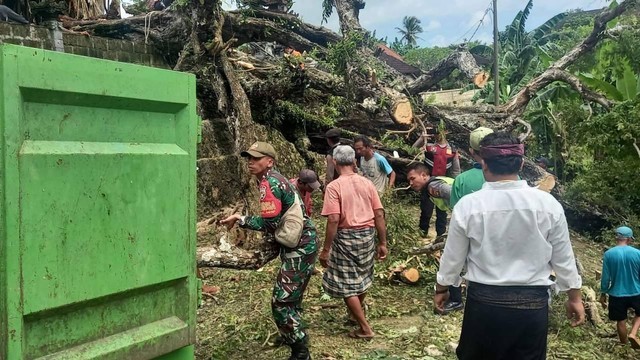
(299, 351)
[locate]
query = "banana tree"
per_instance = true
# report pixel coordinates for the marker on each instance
(624, 87)
(523, 54)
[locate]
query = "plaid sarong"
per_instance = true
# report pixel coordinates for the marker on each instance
(350, 270)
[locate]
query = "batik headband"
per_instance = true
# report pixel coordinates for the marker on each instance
(491, 151)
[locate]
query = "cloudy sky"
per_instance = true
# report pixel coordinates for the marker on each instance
(444, 21)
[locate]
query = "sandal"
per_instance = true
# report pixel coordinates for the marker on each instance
(635, 344)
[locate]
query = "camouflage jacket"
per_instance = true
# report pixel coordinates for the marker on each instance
(277, 195)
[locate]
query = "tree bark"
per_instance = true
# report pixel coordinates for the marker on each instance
(317, 35)
(461, 60)
(349, 15)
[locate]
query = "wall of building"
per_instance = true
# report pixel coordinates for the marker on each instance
(451, 97)
(51, 37)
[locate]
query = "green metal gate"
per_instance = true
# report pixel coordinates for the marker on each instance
(97, 208)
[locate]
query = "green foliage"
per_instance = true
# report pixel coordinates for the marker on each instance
(426, 58)
(609, 178)
(396, 142)
(410, 30)
(343, 53)
(327, 10)
(401, 47)
(522, 54)
(400, 221)
(627, 84)
(285, 114)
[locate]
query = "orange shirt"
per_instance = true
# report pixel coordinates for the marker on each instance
(355, 198)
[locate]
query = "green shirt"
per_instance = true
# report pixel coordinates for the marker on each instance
(466, 183)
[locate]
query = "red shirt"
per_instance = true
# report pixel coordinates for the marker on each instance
(306, 197)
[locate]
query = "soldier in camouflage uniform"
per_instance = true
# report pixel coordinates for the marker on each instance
(277, 195)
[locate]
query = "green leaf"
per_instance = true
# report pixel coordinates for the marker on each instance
(627, 84)
(604, 87)
(547, 27)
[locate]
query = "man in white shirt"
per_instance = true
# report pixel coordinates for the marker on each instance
(510, 236)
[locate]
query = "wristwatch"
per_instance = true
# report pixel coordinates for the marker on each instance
(435, 288)
(242, 220)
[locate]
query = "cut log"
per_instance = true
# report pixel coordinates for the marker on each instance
(409, 276)
(229, 256)
(402, 112)
(547, 183)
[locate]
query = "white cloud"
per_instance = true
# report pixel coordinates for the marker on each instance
(437, 40)
(433, 25)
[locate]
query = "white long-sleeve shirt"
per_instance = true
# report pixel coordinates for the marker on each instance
(509, 234)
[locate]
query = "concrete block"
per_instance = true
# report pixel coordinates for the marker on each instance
(125, 56)
(32, 43)
(81, 50)
(6, 30)
(23, 31)
(126, 46)
(40, 32)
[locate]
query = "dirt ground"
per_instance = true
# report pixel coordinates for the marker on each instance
(236, 323)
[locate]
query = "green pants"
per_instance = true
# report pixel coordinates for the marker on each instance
(292, 279)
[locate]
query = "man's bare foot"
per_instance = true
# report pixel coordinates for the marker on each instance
(360, 334)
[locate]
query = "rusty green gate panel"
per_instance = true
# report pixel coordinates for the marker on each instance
(97, 208)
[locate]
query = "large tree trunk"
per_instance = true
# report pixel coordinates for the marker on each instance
(349, 15)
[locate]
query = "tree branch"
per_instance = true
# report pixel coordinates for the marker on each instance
(598, 32)
(316, 34)
(461, 60)
(517, 105)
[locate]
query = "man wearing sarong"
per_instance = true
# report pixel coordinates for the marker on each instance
(277, 195)
(510, 236)
(354, 215)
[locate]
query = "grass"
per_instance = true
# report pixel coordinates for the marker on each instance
(237, 323)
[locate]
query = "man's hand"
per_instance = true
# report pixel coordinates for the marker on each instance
(230, 221)
(382, 252)
(439, 301)
(324, 258)
(603, 301)
(575, 312)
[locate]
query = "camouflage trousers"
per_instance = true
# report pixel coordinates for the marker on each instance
(293, 277)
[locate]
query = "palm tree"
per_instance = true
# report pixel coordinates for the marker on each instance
(411, 30)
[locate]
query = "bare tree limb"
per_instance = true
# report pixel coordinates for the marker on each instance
(461, 60)
(635, 145)
(516, 107)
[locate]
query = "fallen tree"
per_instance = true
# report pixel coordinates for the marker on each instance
(198, 38)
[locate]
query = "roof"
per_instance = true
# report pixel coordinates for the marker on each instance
(394, 60)
(387, 50)
(399, 65)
